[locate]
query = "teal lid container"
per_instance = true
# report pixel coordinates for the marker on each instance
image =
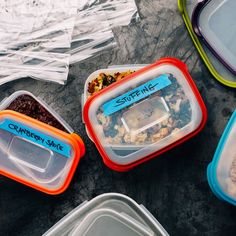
(221, 172)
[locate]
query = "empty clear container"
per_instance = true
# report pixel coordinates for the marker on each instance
(214, 21)
(111, 211)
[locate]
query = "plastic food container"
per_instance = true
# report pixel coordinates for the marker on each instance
(111, 70)
(215, 66)
(108, 214)
(221, 172)
(32, 151)
(144, 114)
(214, 21)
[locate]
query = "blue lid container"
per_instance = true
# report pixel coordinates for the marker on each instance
(221, 172)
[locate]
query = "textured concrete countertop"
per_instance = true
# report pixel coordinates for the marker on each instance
(173, 186)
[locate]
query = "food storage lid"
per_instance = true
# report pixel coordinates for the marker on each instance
(115, 202)
(37, 154)
(146, 113)
(217, 69)
(105, 222)
(214, 21)
(222, 170)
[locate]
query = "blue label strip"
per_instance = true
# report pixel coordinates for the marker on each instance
(34, 136)
(135, 95)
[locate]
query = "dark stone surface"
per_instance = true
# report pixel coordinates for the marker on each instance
(173, 186)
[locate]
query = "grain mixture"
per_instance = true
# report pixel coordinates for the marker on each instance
(180, 114)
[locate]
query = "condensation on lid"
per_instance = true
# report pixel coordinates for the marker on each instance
(105, 222)
(226, 165)
(30, 151)
(216, 22)
(144, 115)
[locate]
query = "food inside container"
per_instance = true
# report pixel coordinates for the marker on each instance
(27, 105)
(144, 113)
(34, 153)
(108, 214)
(104, 80)
(221, 171)
(150, 120)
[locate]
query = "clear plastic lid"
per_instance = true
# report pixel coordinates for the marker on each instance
(218, 70)
(114, 202)
(105, 222)
(225, 160)
(214, 20)
(144, 113)
(35, 153)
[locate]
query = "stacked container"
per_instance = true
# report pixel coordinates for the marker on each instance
(32, 151)
(144, 114)
(211, 25)
(108, 214)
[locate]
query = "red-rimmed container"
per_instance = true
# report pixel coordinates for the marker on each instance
(145, 114)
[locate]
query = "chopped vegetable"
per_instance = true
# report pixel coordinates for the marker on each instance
(104, 80)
